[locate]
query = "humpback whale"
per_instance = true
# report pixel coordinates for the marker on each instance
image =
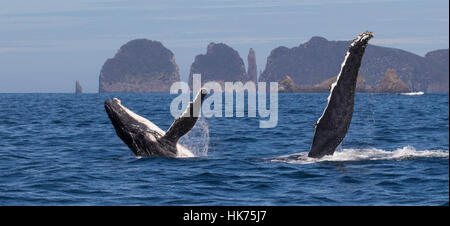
(146, 139)
(332, 126)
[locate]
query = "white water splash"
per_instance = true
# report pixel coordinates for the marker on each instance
(197, 139)
(351, 154)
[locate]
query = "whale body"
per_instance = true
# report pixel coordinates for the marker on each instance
(146, 139)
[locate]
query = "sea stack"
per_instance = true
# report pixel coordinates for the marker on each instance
(252, 69)
(391, 83)
(78, 88)
(221, 64)
(140, 66)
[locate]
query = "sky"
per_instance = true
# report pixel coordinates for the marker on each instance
(45, 45)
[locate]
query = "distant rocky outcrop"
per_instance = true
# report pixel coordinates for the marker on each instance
(221, 63)
(78, 88)
(314, 61)
(361, 85)
(139, 66)
(252, 69)
(391, 83)
(288, 86)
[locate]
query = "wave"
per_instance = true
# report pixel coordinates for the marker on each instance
(351, 154)
(413, 93)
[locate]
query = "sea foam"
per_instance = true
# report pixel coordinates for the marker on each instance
(353, 154)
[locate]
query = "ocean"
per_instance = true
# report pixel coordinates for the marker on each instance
(61, 149)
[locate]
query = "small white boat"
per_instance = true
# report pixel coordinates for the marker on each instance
(413, 93)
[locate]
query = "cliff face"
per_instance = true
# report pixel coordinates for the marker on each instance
(391, 83)
(139, 66)
(439, 58)
(221, 63)
(312, 62)
(252, 69)
(78, 88)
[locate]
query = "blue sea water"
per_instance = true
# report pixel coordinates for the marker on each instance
(61, 149)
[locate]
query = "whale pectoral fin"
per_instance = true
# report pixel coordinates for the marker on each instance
(187, 120)
(333, 125)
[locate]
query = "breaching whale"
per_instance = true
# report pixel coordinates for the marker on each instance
(146, 139)
(333, 125)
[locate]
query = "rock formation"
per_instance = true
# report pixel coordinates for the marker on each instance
(78, 88)
(314, 61)
(252, 69)
(221, 63)
(391, 83)
(287, 86)
(361, 85)
(440, 58)
(139, 66)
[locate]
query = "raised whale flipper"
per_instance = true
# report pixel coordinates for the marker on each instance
(332, 126)
(187, 120)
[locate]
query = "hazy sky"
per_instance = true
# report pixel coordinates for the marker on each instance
(46, 45)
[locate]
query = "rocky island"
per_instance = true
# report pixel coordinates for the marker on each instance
(139, 66)
(313, 62)
(143, 65)
(221, 63)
